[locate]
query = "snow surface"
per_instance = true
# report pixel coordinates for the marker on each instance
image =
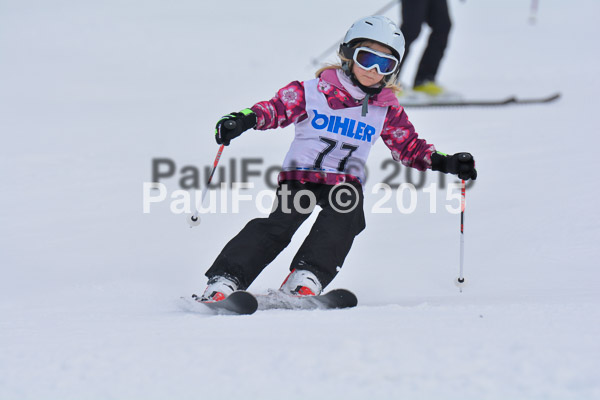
(92, 91)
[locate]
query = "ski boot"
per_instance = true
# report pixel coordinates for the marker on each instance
(301, 283)
(219, 287)
(430, 88)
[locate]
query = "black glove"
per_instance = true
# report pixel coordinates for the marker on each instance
(233, 125)
(461, 164)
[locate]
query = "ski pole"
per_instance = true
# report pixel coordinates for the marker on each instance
(460, 281)
(533, 12)
(194, 220)
(315, 61)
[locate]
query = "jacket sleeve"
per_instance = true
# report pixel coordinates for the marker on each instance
(400, 137)
(287, 107)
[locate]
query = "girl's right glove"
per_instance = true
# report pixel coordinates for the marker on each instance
(461, 164)
(233, 125)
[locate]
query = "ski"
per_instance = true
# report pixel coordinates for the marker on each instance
(246, 303)
(422, 103)
(239, 302)
(334, 299)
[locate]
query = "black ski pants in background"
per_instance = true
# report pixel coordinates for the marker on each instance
(435, 14)
(324, 249)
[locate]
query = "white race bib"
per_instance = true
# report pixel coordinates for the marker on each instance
(333, 141)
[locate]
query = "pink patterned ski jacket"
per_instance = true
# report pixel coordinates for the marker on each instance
(399, 135)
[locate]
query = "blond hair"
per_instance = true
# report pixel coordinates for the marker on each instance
(389, 83)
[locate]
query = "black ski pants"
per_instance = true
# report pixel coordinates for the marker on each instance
(324, 249)
(435, 14)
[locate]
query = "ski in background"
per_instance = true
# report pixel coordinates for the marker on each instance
(411, 99)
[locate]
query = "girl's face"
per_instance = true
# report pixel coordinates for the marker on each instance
(370, 77)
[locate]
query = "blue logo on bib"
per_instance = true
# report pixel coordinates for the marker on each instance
(343, 126)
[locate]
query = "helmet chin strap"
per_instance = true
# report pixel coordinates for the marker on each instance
(370, 91)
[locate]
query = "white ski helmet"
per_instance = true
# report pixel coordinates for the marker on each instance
(377, 28)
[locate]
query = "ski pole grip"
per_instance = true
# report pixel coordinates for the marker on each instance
(230, 124)
(465, 157)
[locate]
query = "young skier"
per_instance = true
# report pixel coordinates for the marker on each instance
(338, 117)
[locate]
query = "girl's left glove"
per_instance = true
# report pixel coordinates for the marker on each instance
(461, 164)
(233, 125)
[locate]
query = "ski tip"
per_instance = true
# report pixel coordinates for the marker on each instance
(346, 298)
(239, 302)
(243, 302)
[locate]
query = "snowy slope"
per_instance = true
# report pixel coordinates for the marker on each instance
(91, 92)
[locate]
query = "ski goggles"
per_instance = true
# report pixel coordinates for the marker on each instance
(368, 59)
